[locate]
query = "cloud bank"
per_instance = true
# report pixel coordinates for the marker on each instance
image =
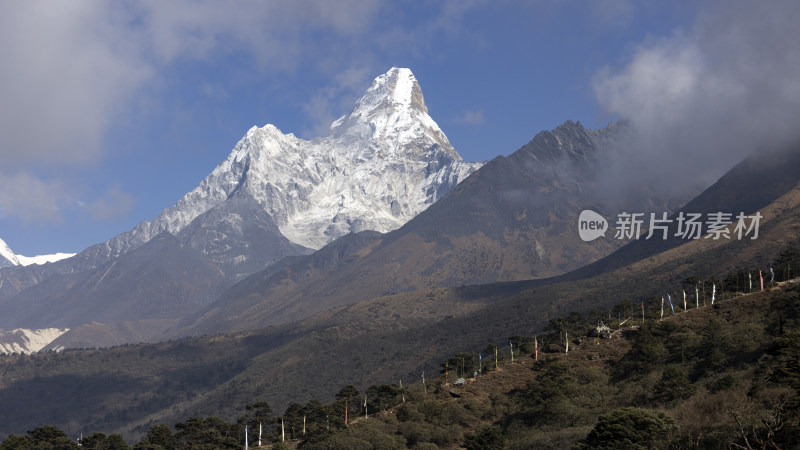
(72, 70)
(700, 100)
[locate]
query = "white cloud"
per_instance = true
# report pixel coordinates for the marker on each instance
(612, 13)
(32, 199)
(472, 117)
(71, 70)
(66, 69)
(275, 33)
(701, 100)
(114, 204)
(336, 98)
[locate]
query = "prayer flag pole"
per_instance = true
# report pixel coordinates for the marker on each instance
(696, 297)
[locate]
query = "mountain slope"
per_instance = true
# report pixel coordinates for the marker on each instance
(161, 279)
(239, 237)
(243, 306)
(749, 186)
(513, 219)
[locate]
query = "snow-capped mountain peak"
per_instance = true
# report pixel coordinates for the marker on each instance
(382, 164)
(392, 109)
(9, 258)
(397, 89)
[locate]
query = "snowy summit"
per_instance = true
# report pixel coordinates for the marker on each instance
(382, 164)
(9, 258)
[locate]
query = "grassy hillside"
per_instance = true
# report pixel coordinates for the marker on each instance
(722, 376)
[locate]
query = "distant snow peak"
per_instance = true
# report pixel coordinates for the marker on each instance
(43, 259)
(9, 258)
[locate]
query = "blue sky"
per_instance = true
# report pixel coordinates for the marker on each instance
(112, 111)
